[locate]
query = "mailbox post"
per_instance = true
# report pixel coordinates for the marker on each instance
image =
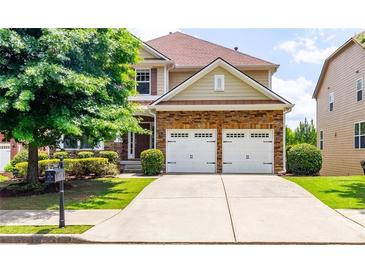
(54, 175)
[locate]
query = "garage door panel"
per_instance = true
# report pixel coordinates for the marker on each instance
(4, 155)
(192, 150)
(247, 151)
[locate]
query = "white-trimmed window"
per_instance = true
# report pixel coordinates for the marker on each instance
(143, 80)
(73, 143)
(359, 136)
(331, 101)
(218, 82)
(359, 89)
(321, 140)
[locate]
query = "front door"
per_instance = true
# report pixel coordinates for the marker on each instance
(142, 141)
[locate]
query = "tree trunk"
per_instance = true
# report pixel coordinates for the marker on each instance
(32, 171)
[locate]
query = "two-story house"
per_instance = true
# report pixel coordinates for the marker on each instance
(210, 109)
(340, 102)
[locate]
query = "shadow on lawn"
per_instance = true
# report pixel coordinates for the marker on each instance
(350, 190)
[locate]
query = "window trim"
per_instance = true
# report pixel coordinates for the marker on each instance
(99, 146)
(321, 139)
(362, 89)
(331, 102)
(359, 135)
(150, 84)
(216, 77)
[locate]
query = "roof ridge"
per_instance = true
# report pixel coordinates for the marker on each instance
(215, 44)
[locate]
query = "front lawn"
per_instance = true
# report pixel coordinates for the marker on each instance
(104, 193)
(346, 192)
(43, 229)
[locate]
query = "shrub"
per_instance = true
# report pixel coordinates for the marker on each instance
(22, 156)
(59, 154)
(152, 161)
(75, 167)
(304, 159)
(9, 168)
(85, 154)
(112, 156)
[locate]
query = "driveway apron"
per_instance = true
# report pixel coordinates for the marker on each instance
(226, 209)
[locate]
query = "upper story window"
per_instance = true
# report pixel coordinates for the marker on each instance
(143, 79)
(359, 89)
(218, 82)
(359, 136)
(321, 140)
(331, 100)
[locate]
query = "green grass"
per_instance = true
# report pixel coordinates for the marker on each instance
(104, 193)
(43, 229)
(347, 192)
(3, 179)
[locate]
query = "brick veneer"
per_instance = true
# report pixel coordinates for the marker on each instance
(14, 146)
(266, 119)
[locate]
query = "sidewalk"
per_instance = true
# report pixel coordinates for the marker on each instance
(50, 217)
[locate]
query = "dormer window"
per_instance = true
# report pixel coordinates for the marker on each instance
(218, 82)
(143, 80)
(331, 101)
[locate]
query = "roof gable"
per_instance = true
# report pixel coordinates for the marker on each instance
(254, 86)
(189, 51)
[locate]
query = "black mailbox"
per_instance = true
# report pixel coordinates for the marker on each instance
(54, 175)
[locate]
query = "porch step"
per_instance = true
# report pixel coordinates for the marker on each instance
(131, 166)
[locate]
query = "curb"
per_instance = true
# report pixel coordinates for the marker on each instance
(40, 239)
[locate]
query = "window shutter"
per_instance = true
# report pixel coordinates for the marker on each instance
(154, 81)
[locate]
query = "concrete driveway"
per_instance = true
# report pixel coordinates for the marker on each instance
(226, 209)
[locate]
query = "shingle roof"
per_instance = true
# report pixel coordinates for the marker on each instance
(189, 51)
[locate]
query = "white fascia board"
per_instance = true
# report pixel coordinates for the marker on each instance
(153, 51)
(220, 107)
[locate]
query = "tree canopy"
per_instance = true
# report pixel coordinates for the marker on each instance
(304, 133)
(56, 82)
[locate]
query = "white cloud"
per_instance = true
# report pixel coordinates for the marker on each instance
(305, 50)
(148, 34)
(299, 92)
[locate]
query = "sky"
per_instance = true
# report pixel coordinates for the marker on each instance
(299, 52)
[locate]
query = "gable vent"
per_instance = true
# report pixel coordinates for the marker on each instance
(218, 82)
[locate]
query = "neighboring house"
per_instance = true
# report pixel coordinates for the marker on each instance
(8, 149)
(341, 109)
(210, 109)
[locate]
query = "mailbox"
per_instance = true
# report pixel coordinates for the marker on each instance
(54, 175)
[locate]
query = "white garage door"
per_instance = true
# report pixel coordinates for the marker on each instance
(4, 155)
(248, 151)
(191, 150)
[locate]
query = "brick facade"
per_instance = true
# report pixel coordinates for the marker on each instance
(258, 119)
(14, 146)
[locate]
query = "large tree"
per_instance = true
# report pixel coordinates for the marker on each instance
(306, 133)
(56, 82)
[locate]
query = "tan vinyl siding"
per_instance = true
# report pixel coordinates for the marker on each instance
(160, 80)
(176, 78)
(146, 55)
(339, 155)
(261, 76)
(203, 89)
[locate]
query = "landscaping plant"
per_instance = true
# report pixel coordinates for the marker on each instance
(71, 82)
(61, 154)
(112, 156)
(304, 159)
(152, 161)
(85, 154)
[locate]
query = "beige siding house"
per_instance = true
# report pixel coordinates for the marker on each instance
(210, 109)
(341, 110)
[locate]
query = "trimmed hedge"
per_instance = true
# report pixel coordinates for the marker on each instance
(112, 156)
(304, 159)
(22, 156)
(152, 161)
(75, 167)
(85, 154)
(59, 154)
